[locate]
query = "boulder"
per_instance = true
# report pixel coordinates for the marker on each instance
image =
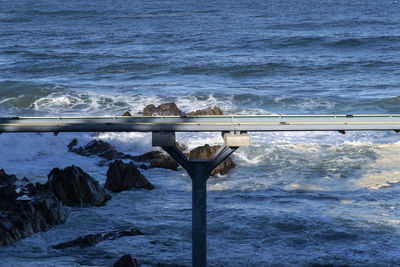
(93, 239)
(72, 144)
(97, 148)
(126, 261)
(164, 163)
(34, 189)
(7, 188)
(6, 179)
(171, 265)
(181, 147)
(127, 114)
(157, 159)
(208, 111)
(7, 193)
(21, 218)
(122, 176)
(165, 109)
(206, 152)
(74, 187)
(143, 166)
(149, 156)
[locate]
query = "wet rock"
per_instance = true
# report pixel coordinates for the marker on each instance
(71, 145)
(143, 166)
(149, 156)
(7, 188)
(206, 152)
(181, 147)
(208, 111)
(74, 187)
(126, 261)
(122, 176)
(108, 152)
(93, 239)
(170, 265)
(6, 179)
(97, 148)
(34, 189)
(7, 193)
(165, 163)
(157, 160)
(21, 218)
(165, 109)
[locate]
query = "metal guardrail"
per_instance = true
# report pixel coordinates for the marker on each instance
(202, 123)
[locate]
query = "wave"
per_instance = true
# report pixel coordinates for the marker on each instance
(233, 70)
(317, 42)
(364, 41)
(298, 41)
(52, 99)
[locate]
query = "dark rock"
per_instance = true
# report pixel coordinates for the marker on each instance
(74, 187)
(127, 114)
(208, 111)
(206, 152)
(107, 151)
(143, 166)
(7, 194)
(181, 147)
(73, 143)
(165, 163)
(93, 239)
(6, 179)
(34, 189)
(126, 261)
(7, 188)
(165, 109)
(22, 218)
(122, 176)
(98, 148)
(171, 265)
(149, 156)
(157, 160)
(25, 180)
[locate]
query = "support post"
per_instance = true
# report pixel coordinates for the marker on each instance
(199, 215)
(199, 171)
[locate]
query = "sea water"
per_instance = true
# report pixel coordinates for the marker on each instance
(294, 199)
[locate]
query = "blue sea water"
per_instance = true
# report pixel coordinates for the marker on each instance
(295, 199)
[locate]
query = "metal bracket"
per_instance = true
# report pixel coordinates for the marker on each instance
(163, 139)
(236, 139)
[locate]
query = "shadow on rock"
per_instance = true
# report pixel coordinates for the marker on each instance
(207, 152)
(126, 261)
(74, 187)
(22, 216)
(125, 176)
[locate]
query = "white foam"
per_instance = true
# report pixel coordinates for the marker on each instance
(307, 104)
(385, 170)
(103, 103)
(34, 155)
(133, 143)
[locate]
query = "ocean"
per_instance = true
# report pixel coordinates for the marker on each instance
(294, 199)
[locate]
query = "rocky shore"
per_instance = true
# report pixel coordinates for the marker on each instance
(27, 208)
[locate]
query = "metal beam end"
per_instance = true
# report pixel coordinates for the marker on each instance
(236, 140)
(163, 139)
